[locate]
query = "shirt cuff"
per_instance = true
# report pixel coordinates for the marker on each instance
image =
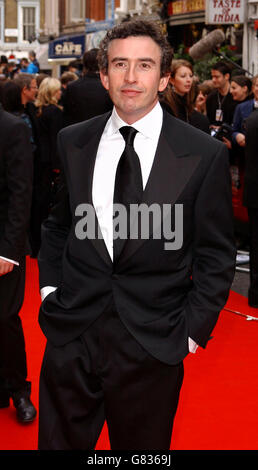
(10, 260)
(192, 345)
(46, 290)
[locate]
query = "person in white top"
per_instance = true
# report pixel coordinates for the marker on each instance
(120, 322)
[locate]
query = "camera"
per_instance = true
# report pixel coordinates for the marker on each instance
(225, 130)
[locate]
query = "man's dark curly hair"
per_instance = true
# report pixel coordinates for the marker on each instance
(137, 28)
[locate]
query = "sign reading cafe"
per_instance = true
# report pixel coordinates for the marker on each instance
(67, 47)
(225, 11)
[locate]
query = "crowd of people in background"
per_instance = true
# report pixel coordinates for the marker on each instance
(223, 106)
(47, 104)
(9, 68)
(218, 106)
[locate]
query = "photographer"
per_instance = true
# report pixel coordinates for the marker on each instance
(220, 104)
(240, 90)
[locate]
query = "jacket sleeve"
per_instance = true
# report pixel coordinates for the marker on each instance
(18, 159)
(214, 250)
(237, 123)
(56, 124)
(54, 233)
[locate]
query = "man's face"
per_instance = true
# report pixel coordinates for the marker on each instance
(218, 79)
(133, 76)
(31, 92)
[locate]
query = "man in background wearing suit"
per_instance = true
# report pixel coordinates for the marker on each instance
(29, 89)
(120, 314)
(86, 97)
(16, 174)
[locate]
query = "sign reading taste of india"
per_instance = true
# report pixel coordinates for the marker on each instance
(225, 11)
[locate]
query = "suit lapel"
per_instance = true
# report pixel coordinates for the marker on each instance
(84, 156)
(172, 168)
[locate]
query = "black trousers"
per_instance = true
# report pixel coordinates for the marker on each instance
(13, 365)
(253, 227)
(106, 375)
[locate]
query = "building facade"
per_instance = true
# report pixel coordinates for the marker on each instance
(70, 23)
(32, 24)
(21, 24)
(187, 23)
(250, 41)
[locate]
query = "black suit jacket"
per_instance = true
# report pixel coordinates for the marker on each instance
(250, 196)
(161, 296)
(49, 123)
(84, 99)
(16, 174)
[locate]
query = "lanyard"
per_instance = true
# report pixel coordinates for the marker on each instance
(220, 102)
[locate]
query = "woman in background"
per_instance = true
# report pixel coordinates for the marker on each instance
(241, 90)
(242, 111)
(50, 122)
(177, 98)
(203, 90)
(50, 119)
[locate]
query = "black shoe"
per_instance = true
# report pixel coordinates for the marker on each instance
(25, 410)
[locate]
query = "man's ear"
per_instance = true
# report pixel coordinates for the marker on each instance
(104, 79)
(163, 82)
(24, 89)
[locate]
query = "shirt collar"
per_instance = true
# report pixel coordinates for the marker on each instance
(150, 125)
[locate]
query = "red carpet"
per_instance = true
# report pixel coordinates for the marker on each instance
(218, 407)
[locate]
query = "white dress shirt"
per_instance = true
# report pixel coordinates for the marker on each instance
(9, 260)
(110, 149)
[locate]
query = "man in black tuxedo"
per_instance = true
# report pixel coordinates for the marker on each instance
(86, 97)
(16, 173)
(127, 309)
(250, 200)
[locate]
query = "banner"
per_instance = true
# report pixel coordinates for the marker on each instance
(225, 11)
(185, 6)
(103, 25)
(67, 47)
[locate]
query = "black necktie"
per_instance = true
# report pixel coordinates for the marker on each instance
(128, 183)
